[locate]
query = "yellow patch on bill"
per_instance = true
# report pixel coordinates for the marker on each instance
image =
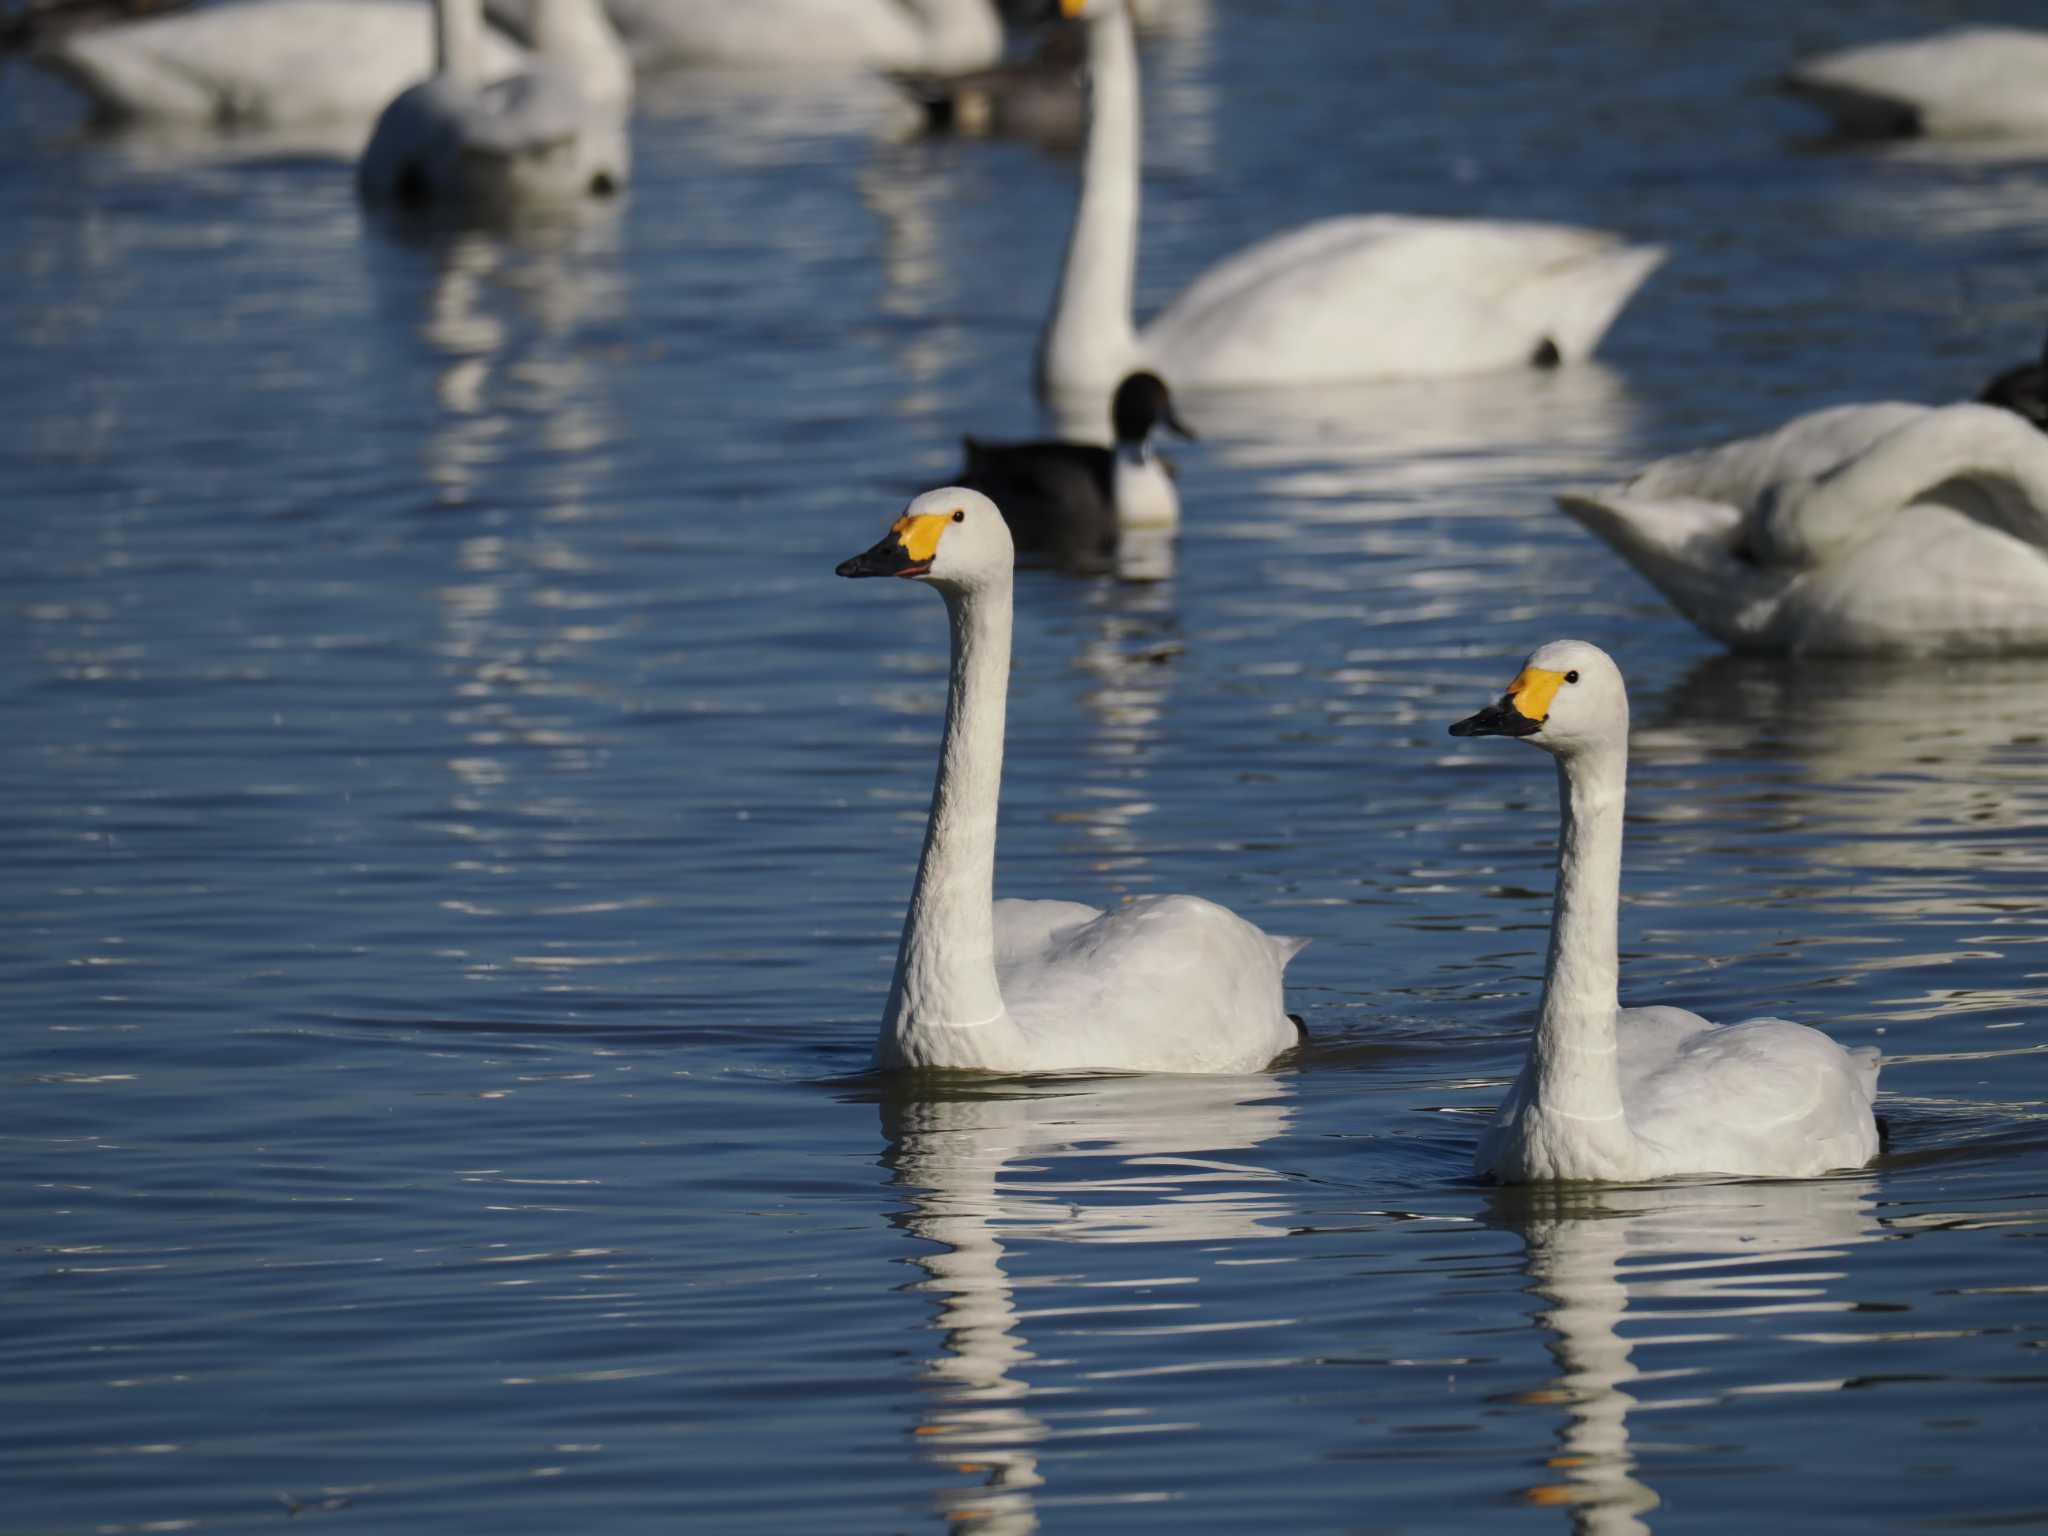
(920, 535)
(1532, 690)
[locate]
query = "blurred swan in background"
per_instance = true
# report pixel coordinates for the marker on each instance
(1615, 1094)
(1965, 83)
(1863, 529)
(1376, 295)
(263, 63)
(931, 35)
(1162, 984)
(553, 131)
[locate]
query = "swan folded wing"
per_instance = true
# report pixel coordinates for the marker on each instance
(1978, 460)
(1166, 983)
(1024, 928)
(1765, 1096)
(1386, 293)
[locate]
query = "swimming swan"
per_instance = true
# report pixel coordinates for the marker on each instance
(938, 35)
(1621, 1094)
(262, 63)
(1864, 529)
(1373, 296)
(546, 133)
(1970, 82)
(1072, 502)
(1163, 984)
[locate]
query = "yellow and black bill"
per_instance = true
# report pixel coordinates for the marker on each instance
(1521, 710)
(907, 549)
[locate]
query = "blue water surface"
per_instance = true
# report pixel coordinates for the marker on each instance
(454, 831)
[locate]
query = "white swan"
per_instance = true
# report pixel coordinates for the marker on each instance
(1164, 984)
(1374, 296)
(262, 63)
(1863, 529)
(938, 35)
(554, 131)
(1620, 1094)
(1971, 82)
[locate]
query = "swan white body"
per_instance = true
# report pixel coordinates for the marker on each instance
(1621, 1094)
(1373, 296)
(1972, 82)
(1165, 984)
(1863, 529)
(553, 131)
(939, 35)
(264, 63)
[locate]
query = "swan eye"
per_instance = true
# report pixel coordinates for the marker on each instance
(1571, 677)
(959, 514)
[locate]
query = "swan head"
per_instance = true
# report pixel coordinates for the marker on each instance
(951, 537)
(1089, 10)
(1568, 698)
(1142, 405)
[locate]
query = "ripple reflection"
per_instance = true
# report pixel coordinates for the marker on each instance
(987, 1169)
(1688, 1259)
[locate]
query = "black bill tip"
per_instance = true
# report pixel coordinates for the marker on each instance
(888, 558)
(1501, 719)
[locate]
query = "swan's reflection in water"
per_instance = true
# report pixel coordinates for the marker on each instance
(1949, 752)
(989, 1166)
(505, 319)
(1677, 1264)
(1444, 438)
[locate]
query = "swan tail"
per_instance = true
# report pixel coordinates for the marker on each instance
(1692, 551)
(1576, 305)
(1285, 947)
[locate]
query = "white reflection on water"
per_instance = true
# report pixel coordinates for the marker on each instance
(981, 1169)
(1686, 1259)
(1910, 793)
(1333, 451)
(504, 317)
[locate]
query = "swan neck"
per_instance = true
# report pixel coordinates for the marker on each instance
(1089, 342)
(575, 36)
(459, 41)
(945, 965)
(1572, 1065)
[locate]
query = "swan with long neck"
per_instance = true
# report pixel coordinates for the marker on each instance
(1885, 528)
(1371, 296)
(1162, 984)
(1617, 1094)
(554, 131)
